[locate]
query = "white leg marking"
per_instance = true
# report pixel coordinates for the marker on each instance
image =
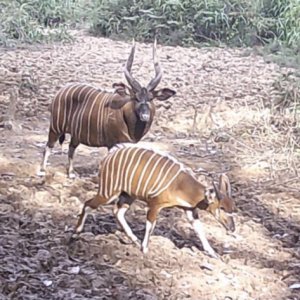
(47, 152)
(199, 229)
(149, 229)
(121, 218)
(40, 173)
(71, 172)
(189, 215)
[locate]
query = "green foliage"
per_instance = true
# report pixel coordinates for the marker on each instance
(237, 22)
(176, 22)
(34, 21)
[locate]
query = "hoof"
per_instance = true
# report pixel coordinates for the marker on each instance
(72, 238)
(78, 230)
(72, 175)
(213, 254)
(145, 250)
(41, 173)
(137, 243)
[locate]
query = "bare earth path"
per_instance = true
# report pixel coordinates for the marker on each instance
(220, 120)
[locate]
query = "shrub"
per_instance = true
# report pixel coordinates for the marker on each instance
(237, 22)
(31, 21)
(176, 22)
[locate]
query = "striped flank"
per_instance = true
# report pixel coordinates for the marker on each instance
(141, 172)
(82, 111)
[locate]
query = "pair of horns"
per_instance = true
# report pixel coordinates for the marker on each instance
(133, 82)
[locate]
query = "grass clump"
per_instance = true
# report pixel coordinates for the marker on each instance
(34, 21)
(190, 22)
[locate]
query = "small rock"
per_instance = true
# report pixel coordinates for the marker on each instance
(87, 271)
(166, 274)
(47, 282)
(43, 254)
(295, 286)
(74, 270)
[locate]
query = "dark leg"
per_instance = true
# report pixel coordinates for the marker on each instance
(52, 138)
(123, 204)
(61, 140)
(193, 217)
(72, 147)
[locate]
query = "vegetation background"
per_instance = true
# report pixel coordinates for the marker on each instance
(176, 22)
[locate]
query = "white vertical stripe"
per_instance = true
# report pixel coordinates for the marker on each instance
(103, 110)
(166, 184)
(101, 178)
(145, 189)
(158, 178)
(128, 166)
(91, 124)
(124, 171)
(74, 122)
(119, 173)
(75, 88)
(107, 171)
(54, 110)
(133, 175)
(82, 112)
(99, 107)
(162, 181)
(112, 174)
(65, 98)
(107, 113)
(145, 169)
(58, 110)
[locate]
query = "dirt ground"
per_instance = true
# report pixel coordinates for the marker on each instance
(220, 120)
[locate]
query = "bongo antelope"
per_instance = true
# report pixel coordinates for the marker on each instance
(102, 119)
(130, 172)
